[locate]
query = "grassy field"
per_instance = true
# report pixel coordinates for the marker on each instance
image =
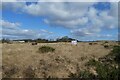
(22, 60)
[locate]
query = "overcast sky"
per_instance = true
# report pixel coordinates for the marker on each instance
(51, 20)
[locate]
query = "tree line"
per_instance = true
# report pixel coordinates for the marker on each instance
(40, 40)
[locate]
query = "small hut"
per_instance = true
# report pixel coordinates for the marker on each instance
(74, 42)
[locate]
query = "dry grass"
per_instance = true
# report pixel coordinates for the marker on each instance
(59, 64)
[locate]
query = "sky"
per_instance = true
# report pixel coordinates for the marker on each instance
(85, 21)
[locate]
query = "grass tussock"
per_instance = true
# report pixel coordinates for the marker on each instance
(8, 72)
(45, 49)
(29, 73)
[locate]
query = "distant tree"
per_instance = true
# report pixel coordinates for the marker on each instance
(28, 40)
(64, 39)
(5, 40)
(39, 40)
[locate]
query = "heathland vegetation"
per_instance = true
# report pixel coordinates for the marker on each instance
(59, 59)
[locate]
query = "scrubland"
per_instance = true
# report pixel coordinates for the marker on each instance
(23, 60)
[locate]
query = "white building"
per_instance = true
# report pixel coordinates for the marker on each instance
(74, 42)
(21, 41)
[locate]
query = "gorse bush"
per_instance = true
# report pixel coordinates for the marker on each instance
(92, 62)
(81, 74)
(105, 70)
(45, 49)
(116, 53)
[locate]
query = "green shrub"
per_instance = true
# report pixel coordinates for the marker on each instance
(82, 74)
(101, 69)
(105, 70)
(86, 74)
(45, 49)
(92, 62)
(116, 52)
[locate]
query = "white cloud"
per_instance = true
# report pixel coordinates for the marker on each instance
(24, 33)
(12, 31)
(81, 32)
(68, 23)
(114, 9)
(10, 25)
(57, 10)
(13, 5)
(60, 0)
(72, 15)
(84, 34)
(109, 21)
(81, 18)
(67, 15)
(96, 24)
(45, 31)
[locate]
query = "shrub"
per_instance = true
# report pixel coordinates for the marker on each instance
(92, 62)
(106, 46)
(34, 43)
(104, 70)
(106, 42)
(86, 74)
(116, 52)
(82, 74)
(90, 43)
(45, 49)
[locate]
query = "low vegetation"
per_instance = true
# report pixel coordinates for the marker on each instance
(82, 74)
(29, 72)
(63, 63)
(9, 71)
(39, 40)
(106, 46)
(90, 43)
(115, 54)
(45, 49)
(107, 68)
(5, 40)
